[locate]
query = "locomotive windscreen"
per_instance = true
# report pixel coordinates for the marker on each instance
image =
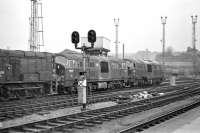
(60, 69)
(104, 67)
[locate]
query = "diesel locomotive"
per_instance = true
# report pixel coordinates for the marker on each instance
(29, 74)
(107, 72)
(25, 73)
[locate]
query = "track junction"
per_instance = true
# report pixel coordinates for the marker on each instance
(83, 119)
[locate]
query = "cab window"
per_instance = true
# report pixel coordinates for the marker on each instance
(60, 69)
(149, 68)
(104, 67)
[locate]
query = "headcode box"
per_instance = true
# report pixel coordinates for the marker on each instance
(101, 42)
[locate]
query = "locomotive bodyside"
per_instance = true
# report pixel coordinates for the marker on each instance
(98, 72)
(131, 72)
(154, 72)
(23, 74)
(140, 72)
(70, 67)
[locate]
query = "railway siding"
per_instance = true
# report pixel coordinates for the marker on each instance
(125, 122)
(9, 111)
(98, 116)
(159, 117)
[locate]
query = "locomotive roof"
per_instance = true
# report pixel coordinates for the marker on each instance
(99, 57)
(151, 62)
(67, 51)
(134, 60)
(142, 61)
(147, 62)
(21, 53)
(79, 56)
(139, 61)
(111, 58)
(69, 56)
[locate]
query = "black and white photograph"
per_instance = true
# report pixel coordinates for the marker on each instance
(99, 66)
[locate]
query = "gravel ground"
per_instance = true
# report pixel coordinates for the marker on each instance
(116, 125)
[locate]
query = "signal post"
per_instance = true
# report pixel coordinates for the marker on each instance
(82, 84)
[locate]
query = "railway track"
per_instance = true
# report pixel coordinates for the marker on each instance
(98, 116)
(159, 118)
(179, 81)
(15, 110)
(11, 111)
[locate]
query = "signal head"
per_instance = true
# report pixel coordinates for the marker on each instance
(91, 36)
(75, 37)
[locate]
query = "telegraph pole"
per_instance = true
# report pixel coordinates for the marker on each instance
(163, 22)
(194, 21)
(116, 21)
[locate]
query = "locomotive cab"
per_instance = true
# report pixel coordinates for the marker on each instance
(104, 69)
(67, 72)
(104, 74)
(58, 78)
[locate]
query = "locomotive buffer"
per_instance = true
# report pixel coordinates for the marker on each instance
(82, 84)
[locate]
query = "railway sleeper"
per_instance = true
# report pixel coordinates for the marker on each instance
(69, 129)
(94, 113)
(104, 119)
(82, 117)
(55, 123)
(72, 119)
(33, 129)
(151, 124)
(62, 121)
(146, 126)
(119, 115)
(88, 115)
(139, 130)
(15, 131)
(89, 124)
(97, 121)
(124, 114)
(2, 118)
(42, 126)
(111, 117)
(18, 115)
(79, 126)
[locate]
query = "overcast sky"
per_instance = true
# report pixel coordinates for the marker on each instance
(140, 25)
